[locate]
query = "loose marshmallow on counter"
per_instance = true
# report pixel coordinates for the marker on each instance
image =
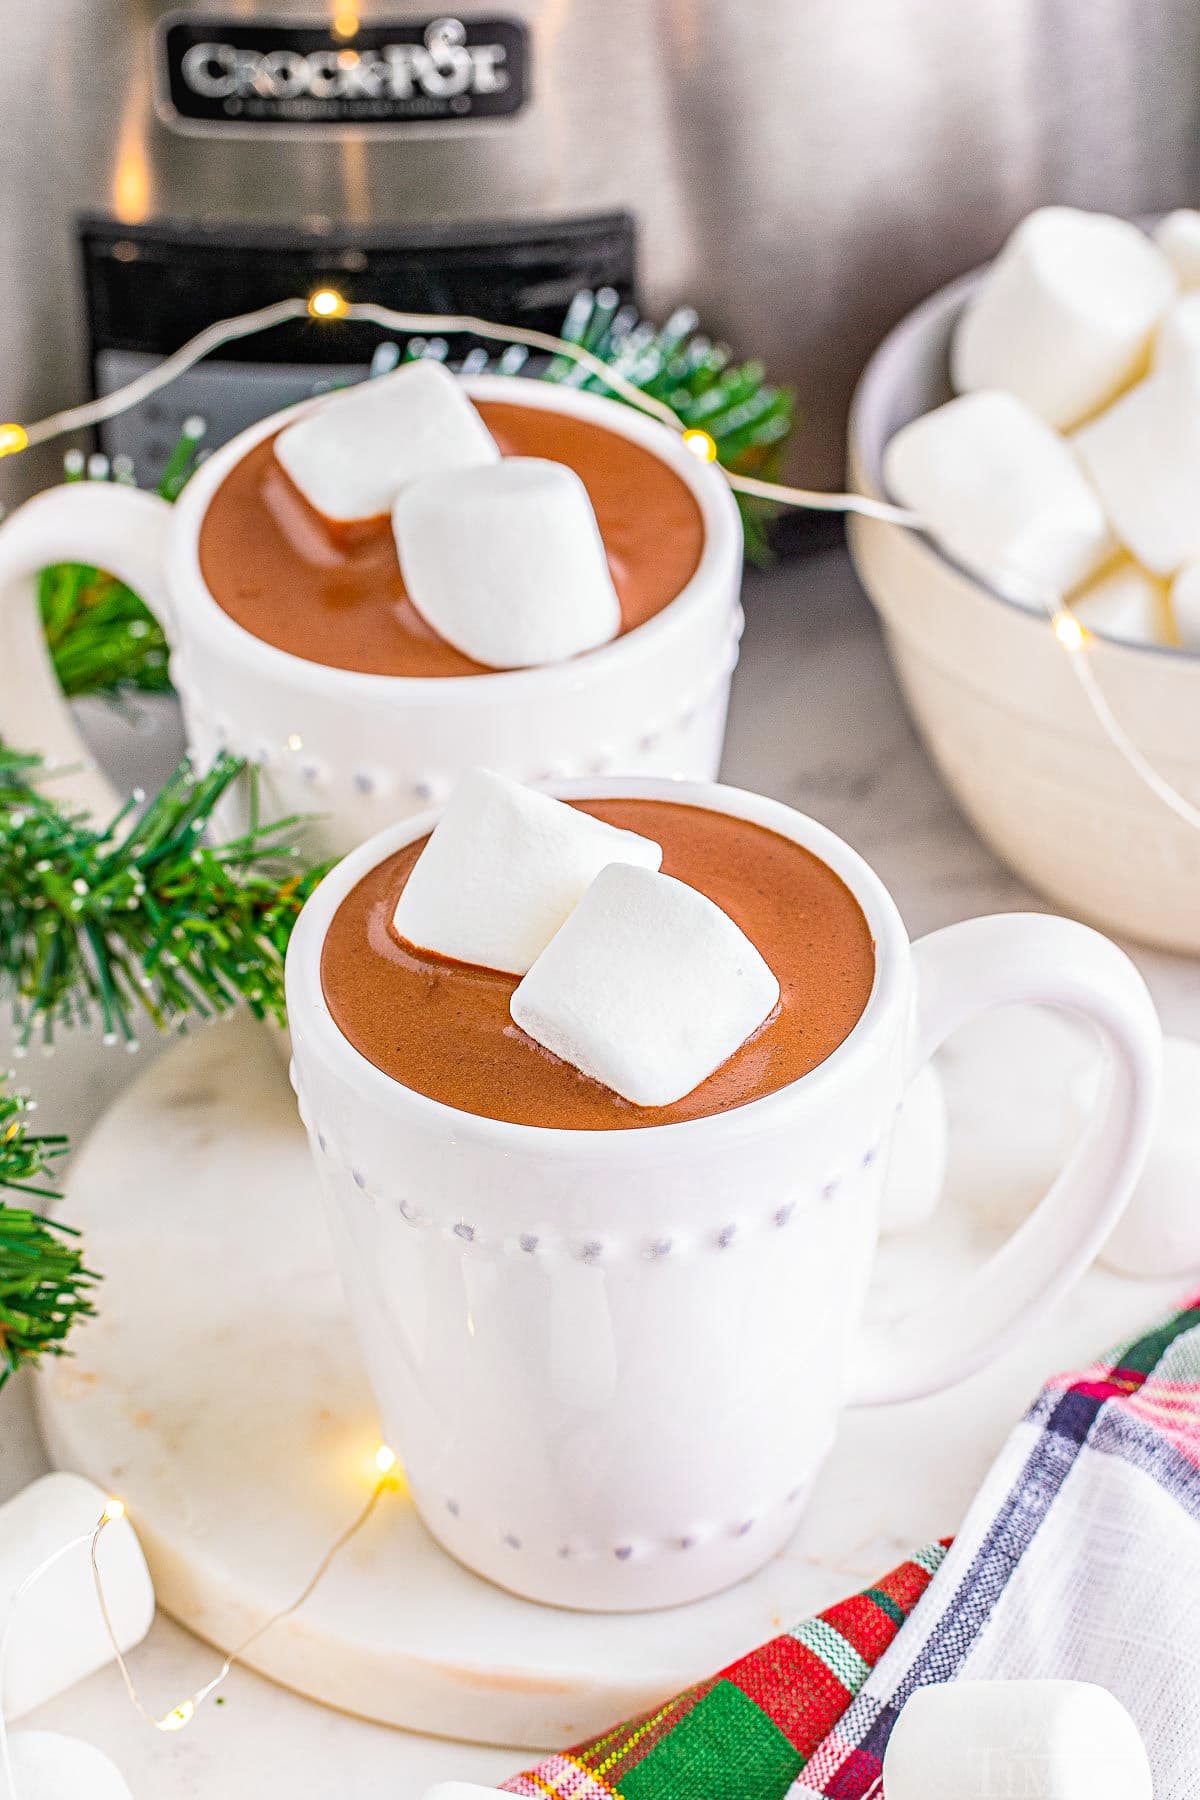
(1185, 606)
(1001, 492)
(977, 1740)
(1178, 237)
(1143, 455)
(461, 1790)
(58, 1635)
(1064, 316)
(1127, 603)
(47, 1766)
(649, 987)
(1178, 337)
(507, 562)
(502, 870)
(1158, 1235)
(351, 455)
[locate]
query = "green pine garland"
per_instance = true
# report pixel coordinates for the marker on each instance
(141, 916)
(747, 419)
(45, 1286)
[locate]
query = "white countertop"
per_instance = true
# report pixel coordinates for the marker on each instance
(816, 722)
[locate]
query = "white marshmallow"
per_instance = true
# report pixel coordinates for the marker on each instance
(649, 987)
(460, 1790)
(976, 1740)
(501, 871)
(1185, 606)
(1178, 237)
(1001, 492)
(507, 563)
(1064, 316)
(1159, 1232)
(1178, 337)
(1127, 603)
(58, 1634)
(47, 1766)
(351, 455)
(917, 1162)
(1143, 455)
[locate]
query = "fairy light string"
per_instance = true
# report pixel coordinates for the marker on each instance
(388, 1479)
(184, 1711)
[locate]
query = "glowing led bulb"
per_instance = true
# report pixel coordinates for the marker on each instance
(12, 438)
(701, 444)
(178, 1717)
(113, 1510)
(326, 303)
(1069, 631)
(385, 1459)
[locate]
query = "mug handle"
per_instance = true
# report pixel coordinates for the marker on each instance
(967, 969)
(118, 529)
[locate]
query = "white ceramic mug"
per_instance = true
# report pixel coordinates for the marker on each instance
(613, 1361)
(361, 750)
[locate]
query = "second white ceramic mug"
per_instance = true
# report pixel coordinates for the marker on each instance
(355, 750)
(614, 1361)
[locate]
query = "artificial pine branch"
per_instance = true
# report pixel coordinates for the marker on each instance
(747, 419)
(141, 916)
(45, 1286)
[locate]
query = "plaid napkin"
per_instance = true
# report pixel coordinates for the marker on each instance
(1080, 1558)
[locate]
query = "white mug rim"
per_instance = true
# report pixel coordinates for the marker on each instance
(892, 951)
(722, 546)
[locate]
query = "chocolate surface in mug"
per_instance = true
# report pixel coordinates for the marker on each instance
(444, 1030)
(333, 593)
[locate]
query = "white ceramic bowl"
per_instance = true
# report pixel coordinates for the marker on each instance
(1001, 710)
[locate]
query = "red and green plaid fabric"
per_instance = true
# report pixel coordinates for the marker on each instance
(747, 1733)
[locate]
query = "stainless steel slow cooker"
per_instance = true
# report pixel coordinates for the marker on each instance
(801, 170)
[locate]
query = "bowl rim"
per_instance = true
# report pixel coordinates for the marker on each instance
(872, 391)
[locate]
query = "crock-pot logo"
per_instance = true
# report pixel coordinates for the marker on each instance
(225, 74)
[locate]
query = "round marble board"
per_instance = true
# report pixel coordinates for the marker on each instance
(220, 1393)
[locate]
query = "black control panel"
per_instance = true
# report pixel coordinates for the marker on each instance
(150, 288)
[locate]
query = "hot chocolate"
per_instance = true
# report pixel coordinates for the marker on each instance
(444, 1030)
(334, 594)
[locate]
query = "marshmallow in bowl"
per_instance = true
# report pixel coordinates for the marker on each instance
(1001, 492)
(1185, 606)
(978, 1740)
(1126, 602)
(1065, 315)
(351, 455)
(649, 987)
(502, 870)
(1178, 337)
(507, 563)
(1178, 237)
(1143, 455)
